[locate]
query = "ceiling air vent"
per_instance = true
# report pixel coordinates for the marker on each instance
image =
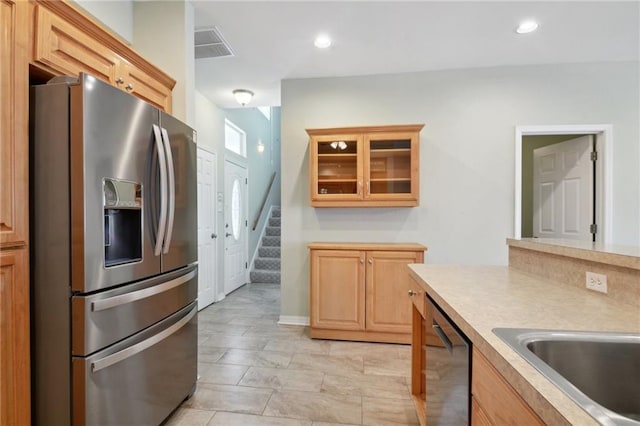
(210, 44)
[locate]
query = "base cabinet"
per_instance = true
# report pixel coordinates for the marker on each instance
(497, 402)
(14, 335)
(359, 291)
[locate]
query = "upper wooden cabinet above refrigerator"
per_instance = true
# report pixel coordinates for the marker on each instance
(374, 166)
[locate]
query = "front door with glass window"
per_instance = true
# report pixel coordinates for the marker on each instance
(235, 226)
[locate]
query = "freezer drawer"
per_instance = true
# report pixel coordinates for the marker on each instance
(102, 319)
(140, 380)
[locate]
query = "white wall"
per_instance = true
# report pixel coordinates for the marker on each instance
(115, 14)
(466, 159)
(163, 34)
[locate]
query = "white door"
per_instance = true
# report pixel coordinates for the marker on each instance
(235, 226)
(207, 238)
(563, 196)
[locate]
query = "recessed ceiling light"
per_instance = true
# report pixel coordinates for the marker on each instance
(527, 27)
(322, 41)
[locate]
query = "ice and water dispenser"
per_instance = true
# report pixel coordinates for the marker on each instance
(122, 202)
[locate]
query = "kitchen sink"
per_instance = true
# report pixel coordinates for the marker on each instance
(599, 371)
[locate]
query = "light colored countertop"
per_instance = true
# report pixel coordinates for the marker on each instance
(625, 256)
(480, 298)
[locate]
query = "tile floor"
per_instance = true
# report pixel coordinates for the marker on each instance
(256, 372)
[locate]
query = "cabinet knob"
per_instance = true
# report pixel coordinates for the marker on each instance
(119, 80)
(361, 260)
(370, 261)
(129, 87)
(412, 293)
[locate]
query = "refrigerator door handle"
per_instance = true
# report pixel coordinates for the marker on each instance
(119, 356)
(123, 299)
(172, 190)
(162, 221)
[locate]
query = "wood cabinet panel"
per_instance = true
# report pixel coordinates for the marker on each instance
(498, 400)
(337, 290)
(14, 136)
(67, 50)
(67, 42)
(352, 302)
(14, 335)
(142, 85)
(388, 303)
(478, 416)
(374, 166)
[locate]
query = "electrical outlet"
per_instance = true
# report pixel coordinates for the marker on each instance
(597, 282)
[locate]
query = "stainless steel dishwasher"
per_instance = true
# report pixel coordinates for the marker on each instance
(448, 392)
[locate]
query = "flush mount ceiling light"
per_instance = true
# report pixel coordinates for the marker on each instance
(322, 41)
(527, 27)
(243, 96)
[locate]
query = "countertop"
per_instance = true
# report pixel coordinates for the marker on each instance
(480, 298)
(618, 255)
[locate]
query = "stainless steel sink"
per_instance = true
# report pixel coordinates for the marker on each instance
(599, 371)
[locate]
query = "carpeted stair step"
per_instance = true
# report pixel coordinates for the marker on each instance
(271, 241)
(274, 221)
(275, 213)
(264, 276)
(268, 263)
(269, 252)
(273, 231)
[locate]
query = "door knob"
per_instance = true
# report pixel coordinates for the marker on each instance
(214, 236)
(412, 293)
(228, 234)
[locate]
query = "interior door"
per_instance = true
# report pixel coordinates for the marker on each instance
(207, 238)
(563, 193)
(235, 226)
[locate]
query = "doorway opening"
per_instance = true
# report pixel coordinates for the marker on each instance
(528, 138)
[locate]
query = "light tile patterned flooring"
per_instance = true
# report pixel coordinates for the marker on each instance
(256, 372)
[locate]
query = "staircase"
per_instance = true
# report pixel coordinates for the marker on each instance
(266, 268)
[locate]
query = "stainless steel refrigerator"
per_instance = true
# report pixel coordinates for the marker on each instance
(114, 256)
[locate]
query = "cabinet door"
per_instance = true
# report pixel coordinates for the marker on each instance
(391, 167)
(14, 335)
(337, 289)
(388, 282)
(14, 136)
(145, 87)
(66, 49)
(336, 168)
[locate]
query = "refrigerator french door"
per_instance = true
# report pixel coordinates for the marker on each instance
(114, 256)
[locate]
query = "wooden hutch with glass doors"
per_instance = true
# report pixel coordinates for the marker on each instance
(375, 166)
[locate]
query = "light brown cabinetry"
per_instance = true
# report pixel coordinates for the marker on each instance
(359, 291)
(497, 402)
(67, 43)
(14, 278)
(41, 39)
(364, 166)
(14, 335)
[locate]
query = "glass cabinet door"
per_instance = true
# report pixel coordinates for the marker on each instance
(388, 166)
(337, 168)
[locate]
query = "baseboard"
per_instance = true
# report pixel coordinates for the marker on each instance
(293, 320)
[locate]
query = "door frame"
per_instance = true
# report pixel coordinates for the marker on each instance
(242, 162)
(604, 171)
(216, 297)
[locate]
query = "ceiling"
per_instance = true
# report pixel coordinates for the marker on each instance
(273, 41)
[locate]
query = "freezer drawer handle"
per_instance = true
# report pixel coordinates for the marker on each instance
(172, 190)
(115, 358)
(162, 221)
(112, 302)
